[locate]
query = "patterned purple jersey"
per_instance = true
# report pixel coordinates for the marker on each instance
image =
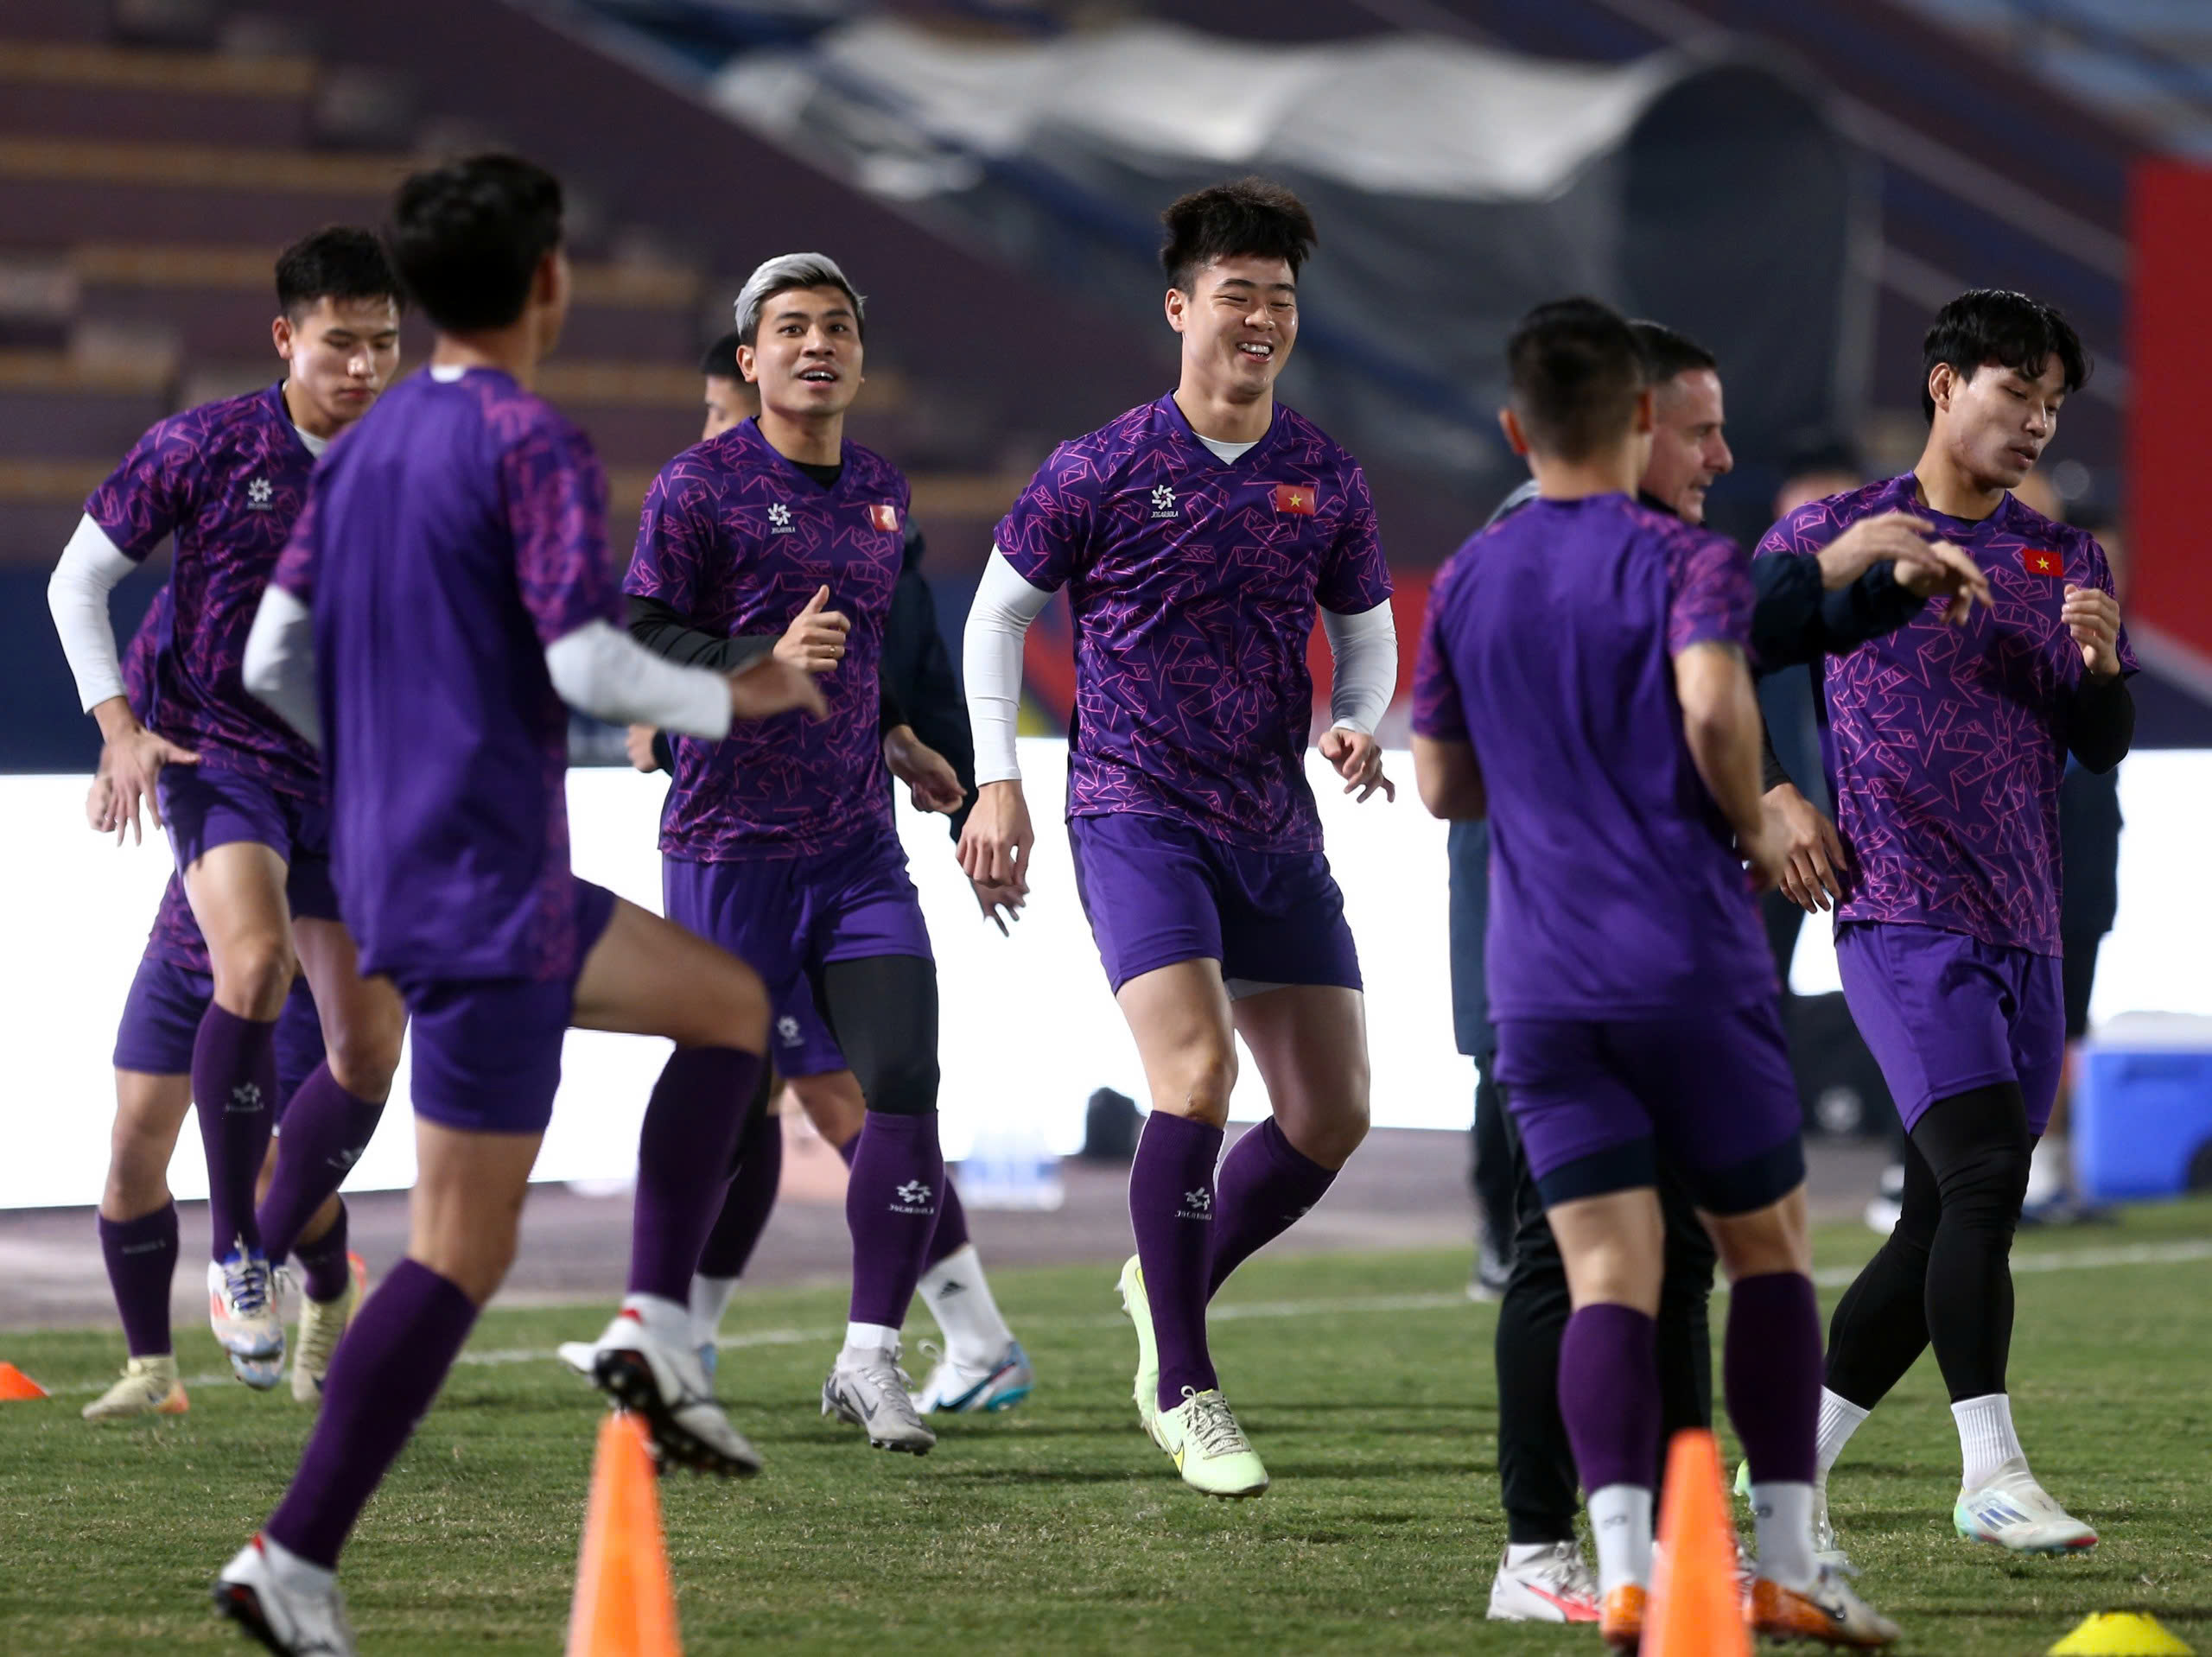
(1616, 892)
(738, 539)
(227, 479)
(1946, 745)
(457, 531)
(176, 936)
(1192, 583)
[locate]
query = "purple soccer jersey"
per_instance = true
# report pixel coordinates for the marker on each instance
(459, 530)
(739, 539)
(1616, 892)
(227, 479)
(1946, 745)
(1193, 582)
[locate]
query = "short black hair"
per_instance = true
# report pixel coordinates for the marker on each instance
(1667, 351)
(1574, 372)
(468, 238)
(1985, 326)
(337, 262)
(721, 360)
(1250, 218)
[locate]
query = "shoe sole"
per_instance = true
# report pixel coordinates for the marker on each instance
(238, 1601)
(2055, 1551)
(1833, 1642)
(627, 1379)
(833, 1405)
(1246, 1495)
(969, 1404)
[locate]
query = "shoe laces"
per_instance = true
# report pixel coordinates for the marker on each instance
(885, 1371)
(1213, 1426)
(246, 1286)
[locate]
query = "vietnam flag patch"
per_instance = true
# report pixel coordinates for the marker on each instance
(2038, 560)
(1294, 498)
(883, 517)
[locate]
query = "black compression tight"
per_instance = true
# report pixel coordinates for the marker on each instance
(1944, 1278)
(882, 1009)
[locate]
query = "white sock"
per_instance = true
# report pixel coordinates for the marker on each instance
(2049, 1171)
(1519, 1554)
(1783, 1517)
(665, 1319)
(300, 1576)
(709, 1300)
(1840, 1418)
(1620, 1523)
(868, 1339)
(959, 1298)
(1986, 1440)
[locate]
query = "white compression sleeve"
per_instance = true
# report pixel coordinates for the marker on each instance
(608, 673)
(279, 665)
(91, 567)
(1365, 650)
(991, 655)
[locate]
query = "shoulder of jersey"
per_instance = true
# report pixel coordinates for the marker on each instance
(209, 421)
(1323, 449)
(871, 468)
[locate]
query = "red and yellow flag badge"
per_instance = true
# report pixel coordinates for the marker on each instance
(1294, 498)
(2038, 560)
(883, 517)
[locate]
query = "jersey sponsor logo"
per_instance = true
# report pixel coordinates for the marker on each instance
(1163, 502)
(260, 497)
(787, 1030)
(884, 516)
(779, 519)
(1296, 499)
(2037, 561)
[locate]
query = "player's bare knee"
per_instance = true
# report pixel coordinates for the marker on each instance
(1198, 1085)
(253, 974)
(735, 1014)
(364, 1053)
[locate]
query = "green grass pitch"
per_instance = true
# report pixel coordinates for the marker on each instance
(1364, 1381)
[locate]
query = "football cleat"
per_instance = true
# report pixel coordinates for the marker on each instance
(242, 1310)
(1620, 1619)
(1554, 1586)
(958, 1389)
(148, 1387)
(287, 1617)
(1829, 1611)
(1138, 1307)
(1210, 1450)
(2016, 1513)
(872, 1392)
(664, 1384)
(321, 1321)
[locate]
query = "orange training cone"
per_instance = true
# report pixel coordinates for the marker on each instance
(1695, 1608)
(15, 1384)
(624, 1605)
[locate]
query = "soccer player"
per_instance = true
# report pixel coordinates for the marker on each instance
(1948, 749)
(1876, 582)
(1613, 754)
(779, 843)
(239, 793)
(153, 1090)
(984, 1367)
(1196, 536)
(446, 591)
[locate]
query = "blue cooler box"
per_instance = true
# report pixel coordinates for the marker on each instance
(2143, 1108)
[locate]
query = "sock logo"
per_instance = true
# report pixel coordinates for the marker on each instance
(1197, 1205)
(345, 1156)
(951, 1288)
(914, 1197)
(142, 1248)
(245, 1100)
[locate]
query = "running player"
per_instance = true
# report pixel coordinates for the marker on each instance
(1947, 934)
(1196, 535)
(779, 843)
(447, 589)
(984, 1367)
(153, 1090)
(240, 794)
(1613, 753)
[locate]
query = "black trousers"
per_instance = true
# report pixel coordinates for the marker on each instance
(1535, 1462)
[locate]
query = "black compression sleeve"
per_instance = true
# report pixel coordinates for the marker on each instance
(665, 631)
(2101, 724)
(1786, 618)
(1871, 605)
(892, 715)
(1772, 773)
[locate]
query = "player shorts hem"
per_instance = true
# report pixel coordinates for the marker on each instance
(1628, 1166)
(1756, 1182)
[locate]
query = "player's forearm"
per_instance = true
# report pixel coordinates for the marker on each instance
(991, 645)
(2101, 725)
(610, 675)
(1722, 728)
(1364, 650)
(668, 632)
(77, 593)
(279, 665)
(1449, 779)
